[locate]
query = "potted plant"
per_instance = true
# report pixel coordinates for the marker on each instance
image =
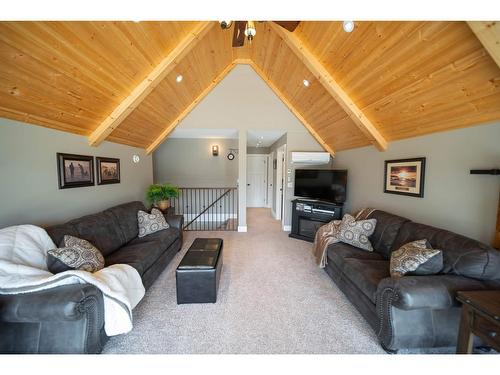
(159, 195)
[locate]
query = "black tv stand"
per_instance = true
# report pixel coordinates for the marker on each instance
(309, 214)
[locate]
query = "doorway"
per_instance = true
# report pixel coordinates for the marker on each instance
(257, 180)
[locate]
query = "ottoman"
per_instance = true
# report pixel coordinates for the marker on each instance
(198, 273)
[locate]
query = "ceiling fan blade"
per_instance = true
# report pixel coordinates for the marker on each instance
(288, 25)
(239, 33)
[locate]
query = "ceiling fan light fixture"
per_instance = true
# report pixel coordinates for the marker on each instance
(225, 24)
(306, 83)
(348, 26)
(179, 78)
(250, 30)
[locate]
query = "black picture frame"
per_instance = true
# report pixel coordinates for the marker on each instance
(74, 170)
(405, 177)
(108, 170)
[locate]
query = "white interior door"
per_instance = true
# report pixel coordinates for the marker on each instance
(256, 180)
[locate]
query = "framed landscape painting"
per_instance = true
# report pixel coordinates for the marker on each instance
(75, 170)
(108, 171)
(405, 177)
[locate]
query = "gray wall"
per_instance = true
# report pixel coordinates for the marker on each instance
(295, 141)
(189, 163)
(257, 150)
(29, 192)
(453, 199)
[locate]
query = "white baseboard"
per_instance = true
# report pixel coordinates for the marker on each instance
(242, 228)
(287, 228)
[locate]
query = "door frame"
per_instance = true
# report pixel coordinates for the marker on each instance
(280, 182)
(269, 191)
(265, 158)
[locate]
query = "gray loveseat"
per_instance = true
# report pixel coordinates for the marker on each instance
(70, 319)
(412, 311)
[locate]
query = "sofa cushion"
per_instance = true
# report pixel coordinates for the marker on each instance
(126, 216)
(339, 252)
(356, 232)
(416, 258)
(102, 230)
(57, 232)
(141, 256)
(166, 237)
(366, 274)
(461, 255)
(388, 226)
(77, 254)
(150, 223)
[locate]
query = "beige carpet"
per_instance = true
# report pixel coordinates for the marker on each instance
(272, 299)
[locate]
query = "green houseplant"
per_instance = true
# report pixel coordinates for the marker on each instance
(159, 195)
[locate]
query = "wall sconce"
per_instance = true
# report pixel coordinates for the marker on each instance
(215, 150)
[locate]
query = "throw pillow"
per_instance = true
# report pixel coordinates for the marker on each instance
(416, 258)
(356, 233)
(151, 223)
(76, 254)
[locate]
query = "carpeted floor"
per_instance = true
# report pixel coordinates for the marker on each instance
(272, 299)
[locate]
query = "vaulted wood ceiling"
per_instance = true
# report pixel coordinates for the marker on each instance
(383, 82)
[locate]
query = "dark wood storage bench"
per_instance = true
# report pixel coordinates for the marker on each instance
(198, 273)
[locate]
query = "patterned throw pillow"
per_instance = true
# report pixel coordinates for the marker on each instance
(356, 233)
(151, 223)
(76, 254)
(416, 258)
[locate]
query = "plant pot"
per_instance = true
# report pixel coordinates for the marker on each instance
(164, 204)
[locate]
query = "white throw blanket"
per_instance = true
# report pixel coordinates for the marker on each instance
(23, 269)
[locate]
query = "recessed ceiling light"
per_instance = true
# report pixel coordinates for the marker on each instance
(306, 83)
(179, 78)
(348, 26)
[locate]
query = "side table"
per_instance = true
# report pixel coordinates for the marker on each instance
(480, 317)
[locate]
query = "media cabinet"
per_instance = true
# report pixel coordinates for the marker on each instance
(308, 215)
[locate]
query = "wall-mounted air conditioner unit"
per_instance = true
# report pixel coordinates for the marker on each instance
(314, 158)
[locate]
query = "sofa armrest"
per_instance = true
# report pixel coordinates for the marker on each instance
(175, 221)
(63, 303)
(64, 319)
(417, 292)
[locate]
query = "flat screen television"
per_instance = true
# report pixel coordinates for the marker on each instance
(321, 184)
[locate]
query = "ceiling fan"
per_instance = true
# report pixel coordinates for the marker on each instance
(246, 29)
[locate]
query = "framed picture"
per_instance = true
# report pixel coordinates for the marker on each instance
(405, 177)
(75, 170)
(108, 170)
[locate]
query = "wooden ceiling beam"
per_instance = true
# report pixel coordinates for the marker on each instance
(290, 106)
(488, 33)
(140, 92)
(164, 134)
(329, 83)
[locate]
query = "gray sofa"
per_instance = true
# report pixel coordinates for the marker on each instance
(412, 311)
(70, 319)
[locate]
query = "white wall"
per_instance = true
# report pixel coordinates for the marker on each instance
(242, 100)
(453, 198)
(29, 192)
